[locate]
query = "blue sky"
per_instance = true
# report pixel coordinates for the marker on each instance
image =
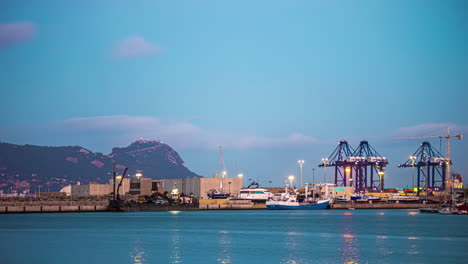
(271, 81)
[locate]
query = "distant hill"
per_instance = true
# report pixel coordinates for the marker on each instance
(28, 167)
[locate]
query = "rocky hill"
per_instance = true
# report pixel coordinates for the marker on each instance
(28, 167)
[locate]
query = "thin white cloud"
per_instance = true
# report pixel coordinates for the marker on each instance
(135, 47)
(430, 129)
(12, 34)
(180, 135)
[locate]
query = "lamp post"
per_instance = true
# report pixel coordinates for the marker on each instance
(325, 160)
(240, 176)
(347, 172)
(138, 175)
(291, 178)
(301, 162)
(313, 175)
(223, 173)
(412, 158)
(381, 174)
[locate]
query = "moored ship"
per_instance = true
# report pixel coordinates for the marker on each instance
(294, 205)
(291, 200)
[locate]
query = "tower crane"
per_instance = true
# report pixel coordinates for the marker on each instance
(447, 146)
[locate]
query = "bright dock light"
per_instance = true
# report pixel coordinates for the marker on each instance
(291, 178)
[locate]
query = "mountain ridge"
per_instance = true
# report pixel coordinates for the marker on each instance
(28, 168)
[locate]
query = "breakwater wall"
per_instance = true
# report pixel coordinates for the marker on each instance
(232, 207)
(381, 206)
(52, 208)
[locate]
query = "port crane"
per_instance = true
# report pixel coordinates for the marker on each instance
(338, 160)
(432, 160)
(358, 168)
(368, 164)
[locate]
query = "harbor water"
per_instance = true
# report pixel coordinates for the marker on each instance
(253, 236)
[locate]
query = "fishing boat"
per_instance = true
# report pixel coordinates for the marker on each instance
(290, 200)
(447, 211)
(429, 210)
(403, 198)
(341, 198)
(215, 194)
(373, 198)
(294, 205)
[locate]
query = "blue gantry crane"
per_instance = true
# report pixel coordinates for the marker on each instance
(369, 167)
(362, 168)
(338, 160)
(431, 167)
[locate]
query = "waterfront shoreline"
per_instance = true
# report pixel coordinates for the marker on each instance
(22, 209)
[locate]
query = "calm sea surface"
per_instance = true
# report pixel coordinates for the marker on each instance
(326, 236)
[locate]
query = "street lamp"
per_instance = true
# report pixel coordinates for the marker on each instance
(241, 176)
(347, 172)
(291, 178)
(301, 162)
(224, 173)
(325, 160)
(138, 175)
(381, 174)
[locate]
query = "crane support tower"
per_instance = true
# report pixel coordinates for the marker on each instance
(431, 166)
(369, 167)
(338, 160)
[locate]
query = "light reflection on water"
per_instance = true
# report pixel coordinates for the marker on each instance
(365, 236)
(349, 243)
(294, 244)
(137, 255)
(176, 256)
(224, 242)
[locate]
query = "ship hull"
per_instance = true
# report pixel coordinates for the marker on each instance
(298, 206)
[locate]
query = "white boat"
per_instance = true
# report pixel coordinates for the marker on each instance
(403, 198)
(255, 194)
(447, 211)
(341, 198)
(373, 198)
(290, 200)
(295, 205)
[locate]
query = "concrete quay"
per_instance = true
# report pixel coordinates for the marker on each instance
(381, 205)
(52, 209)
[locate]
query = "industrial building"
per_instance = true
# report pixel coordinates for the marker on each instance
(92, 188)
(201, 187)
(330, 190)
(143, 186)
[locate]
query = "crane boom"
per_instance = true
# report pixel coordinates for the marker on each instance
(417, 137)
